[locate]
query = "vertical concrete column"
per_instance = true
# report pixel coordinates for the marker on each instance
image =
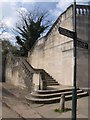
(62, 102)
(36, 81)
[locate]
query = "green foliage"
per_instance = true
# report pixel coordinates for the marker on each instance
(60, 111)
(8, 47)
(32, 25)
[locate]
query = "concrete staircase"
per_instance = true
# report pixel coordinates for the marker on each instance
(50, 81)
(52, 96)
(54, 90)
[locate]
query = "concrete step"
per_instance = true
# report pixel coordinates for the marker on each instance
(52, 100)
(53, 91)
(51, 84)
(34, 94)
(51, 81)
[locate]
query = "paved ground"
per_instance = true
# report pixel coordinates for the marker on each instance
(47, 111)
(15, 105)
(9, 113)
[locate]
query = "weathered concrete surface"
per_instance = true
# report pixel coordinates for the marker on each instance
(19, 72)
(54, 52)
(16, 104)
(83, 30)
(21, 108)
(9, 113)
(14, 73)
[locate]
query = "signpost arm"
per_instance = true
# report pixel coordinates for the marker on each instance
(74, 92)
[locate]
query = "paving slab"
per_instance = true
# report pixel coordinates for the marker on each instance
(9, 113)
(21, 108)
(47, 110)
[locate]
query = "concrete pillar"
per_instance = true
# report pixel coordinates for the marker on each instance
(43, 85)
(36, 81)
(62, 102)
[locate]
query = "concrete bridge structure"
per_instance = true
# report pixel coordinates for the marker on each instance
(54, 52)
(48, 71)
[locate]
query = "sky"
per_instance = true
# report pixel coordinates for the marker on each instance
(9, 15)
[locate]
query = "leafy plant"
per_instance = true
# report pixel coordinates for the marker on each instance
(60, 111)
(30, 27)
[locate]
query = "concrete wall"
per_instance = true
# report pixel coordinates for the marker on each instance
(83, 30)
(54, 53)
(14, 72)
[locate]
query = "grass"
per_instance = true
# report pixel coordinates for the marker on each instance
(60, 111)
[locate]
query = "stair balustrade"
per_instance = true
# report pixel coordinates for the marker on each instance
(82, 10)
